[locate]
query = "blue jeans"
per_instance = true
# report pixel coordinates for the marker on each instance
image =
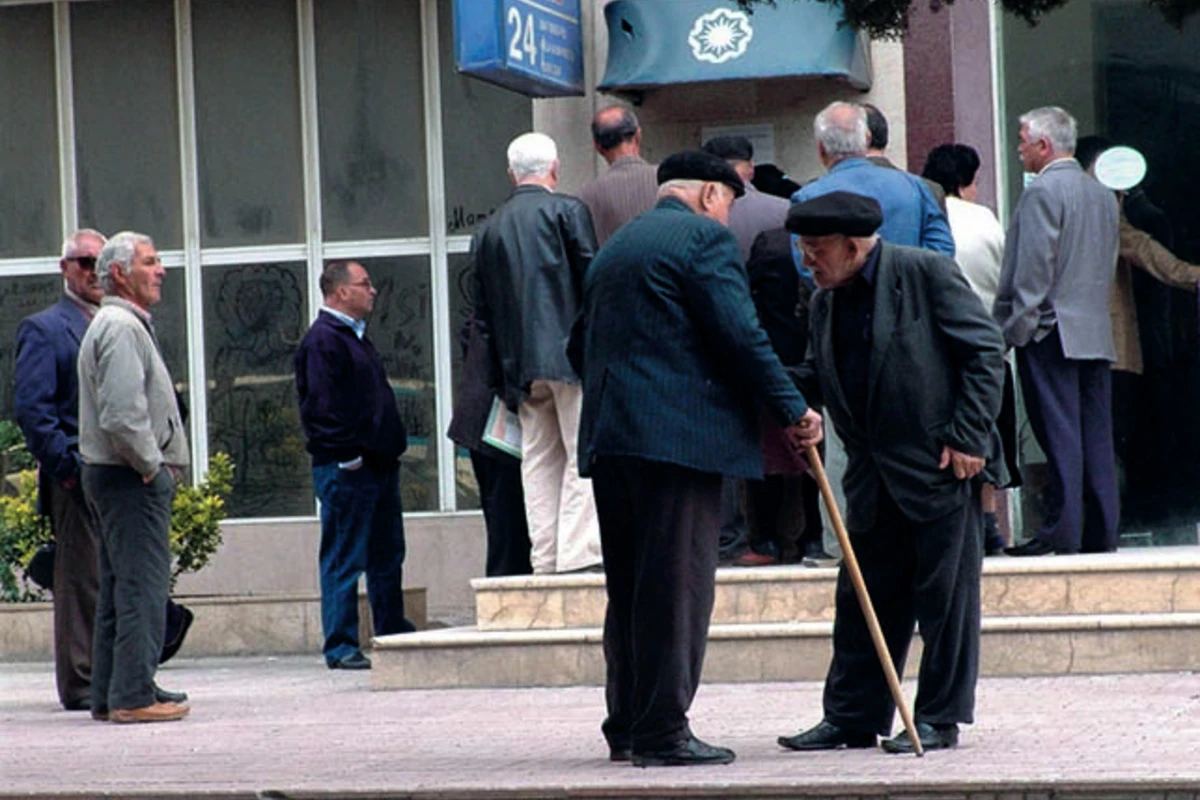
(362, 530)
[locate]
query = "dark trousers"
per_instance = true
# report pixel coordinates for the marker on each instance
(659, 525)
(1069, 405)
(76, 588)
(734, 530)
(134, 521)
(362, 530)
(502, 497)
(783, 515)
(927, 573)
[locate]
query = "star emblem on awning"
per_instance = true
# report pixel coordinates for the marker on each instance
(720, 35)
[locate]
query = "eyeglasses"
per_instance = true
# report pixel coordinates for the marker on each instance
(364, 283)
(85, 262)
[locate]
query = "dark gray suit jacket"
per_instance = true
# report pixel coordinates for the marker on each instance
(935, 378)
(674, 362)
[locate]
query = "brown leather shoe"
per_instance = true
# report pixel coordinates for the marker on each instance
(159, 712)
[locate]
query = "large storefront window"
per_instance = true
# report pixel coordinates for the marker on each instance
(1127, 75)
(127, 120)
(373, 175)
(248, 122)
(401, 327)
(254, 318)
(29, 179)
(255, 142)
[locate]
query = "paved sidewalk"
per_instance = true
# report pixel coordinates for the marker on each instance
(287, 727)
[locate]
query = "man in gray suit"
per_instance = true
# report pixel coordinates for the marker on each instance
(630, 185)
(909, 367)
(1052, 304)
(754, 212)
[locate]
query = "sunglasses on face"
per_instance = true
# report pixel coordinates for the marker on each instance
(85, 262)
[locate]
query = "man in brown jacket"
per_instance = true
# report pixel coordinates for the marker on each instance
(630, 186)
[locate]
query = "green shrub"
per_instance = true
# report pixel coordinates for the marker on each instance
(196, 515)
(22, 532)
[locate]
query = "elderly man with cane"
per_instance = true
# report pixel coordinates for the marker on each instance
(908, 364)
(674, 367)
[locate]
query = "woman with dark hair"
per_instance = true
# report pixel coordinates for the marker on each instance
(979, 251)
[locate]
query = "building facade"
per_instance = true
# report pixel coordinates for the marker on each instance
(255, 139)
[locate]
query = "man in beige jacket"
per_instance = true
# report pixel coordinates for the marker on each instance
(134, 451)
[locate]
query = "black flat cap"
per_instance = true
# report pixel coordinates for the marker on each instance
(696, 165)
(730, 148)
(842, 213)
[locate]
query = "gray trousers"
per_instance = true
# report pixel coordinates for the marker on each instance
(75, 591)
(135, 575)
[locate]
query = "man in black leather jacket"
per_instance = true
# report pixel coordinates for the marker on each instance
(529, 262)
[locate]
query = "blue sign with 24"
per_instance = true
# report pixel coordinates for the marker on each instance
(531, 46)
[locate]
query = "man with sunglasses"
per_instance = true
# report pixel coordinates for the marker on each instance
(47, 409)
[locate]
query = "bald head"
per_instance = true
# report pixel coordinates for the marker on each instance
(616, 133)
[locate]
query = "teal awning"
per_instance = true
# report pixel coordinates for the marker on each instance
(654, 43)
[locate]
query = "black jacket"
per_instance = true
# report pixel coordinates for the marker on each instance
(780, 297)
(674, 362)
(347, 406)
(529, 261)
(935, 378)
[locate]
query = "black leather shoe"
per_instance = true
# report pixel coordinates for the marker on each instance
(619, 749)
(355, 660)
(1034, 547)
(933, 737)
(691, 752)
(174, 639)
(827, 736)
(82, 704)
(162, 695)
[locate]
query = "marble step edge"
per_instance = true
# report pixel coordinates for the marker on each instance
(467, 637)
(1180, 559)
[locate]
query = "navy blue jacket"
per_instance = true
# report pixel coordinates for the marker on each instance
(674, 362)
(47, 387)
(347, 406)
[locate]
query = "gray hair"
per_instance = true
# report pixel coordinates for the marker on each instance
(71, 244)
(532, 154)
(119, 251)
(841, 128)
(679, 184)
(1052, 124)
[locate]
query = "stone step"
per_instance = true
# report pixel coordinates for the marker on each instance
(790, 651)
(230, 625)
(1161, 580)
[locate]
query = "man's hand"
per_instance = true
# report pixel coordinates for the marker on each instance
(806, 432)
(965, 466)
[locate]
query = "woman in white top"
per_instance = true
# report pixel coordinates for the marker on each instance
(979, 251)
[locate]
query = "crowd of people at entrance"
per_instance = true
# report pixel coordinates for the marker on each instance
(706, 309)
(650, 371)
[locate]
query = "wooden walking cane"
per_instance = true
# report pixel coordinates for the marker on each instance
(864, 599)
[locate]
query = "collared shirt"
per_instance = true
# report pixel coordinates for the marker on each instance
(359, 326)
(89, 309)
(853, 311)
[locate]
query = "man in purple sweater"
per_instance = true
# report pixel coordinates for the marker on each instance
(355, 437)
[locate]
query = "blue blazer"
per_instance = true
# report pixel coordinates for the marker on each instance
(674, 363)
(47, 386)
